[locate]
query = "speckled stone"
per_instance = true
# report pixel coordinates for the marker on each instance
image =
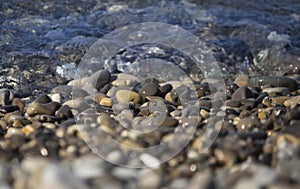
(247, 123)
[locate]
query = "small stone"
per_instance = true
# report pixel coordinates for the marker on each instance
(98, 96)
(77, 104)
(127, 96)
(225, 157)
(56, 97)
(106, 102)
(165, 121)
(150, 161)
(273, 81)
(104, 119)
(242, 81)
(292, 102)
(275, 90)
(149, 179)
(149, 89)
(261, 114)
(18, 102)
(118, 108)
(8, 108)
(279, 100)
(3, 125)
(6, 96)
(242, 93)
(28, 129)
(35, 108)
(247, 123)
(43, 99)
(232, 103)
(166, 88)
(64, 112)
(99, 78)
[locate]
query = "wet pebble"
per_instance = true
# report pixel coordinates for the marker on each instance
(6, 96)
(127, 96)
(273, 81)
(242, 93)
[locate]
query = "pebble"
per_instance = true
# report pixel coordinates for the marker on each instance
(99, 79)
(273, 81)
(292, 102)
(242, 81)
(64, 112)
(242, 93)
(149, 179)
(18, 102)
(279, 100)
(78, 104)
(247, 123)
(106, 102)
(127, 96)
(6, 96)
(275, 90)
(35, 108)
(150, 161)
(149, 89)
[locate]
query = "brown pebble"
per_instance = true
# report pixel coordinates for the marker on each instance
(247, 123)
(28, 129)
(261, 114)
(292, 102)
(279, 100)
(98, 97)
(242, 81)
(18, 102)
(35, 108)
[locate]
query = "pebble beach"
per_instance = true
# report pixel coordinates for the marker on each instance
(63, 130)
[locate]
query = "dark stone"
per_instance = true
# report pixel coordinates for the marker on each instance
(43, 99)
(242, 93)
(166, 88)
(64, 112)
(149, 90)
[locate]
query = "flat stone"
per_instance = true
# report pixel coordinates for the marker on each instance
(273, 81)
(127, 96)
(275, 90)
